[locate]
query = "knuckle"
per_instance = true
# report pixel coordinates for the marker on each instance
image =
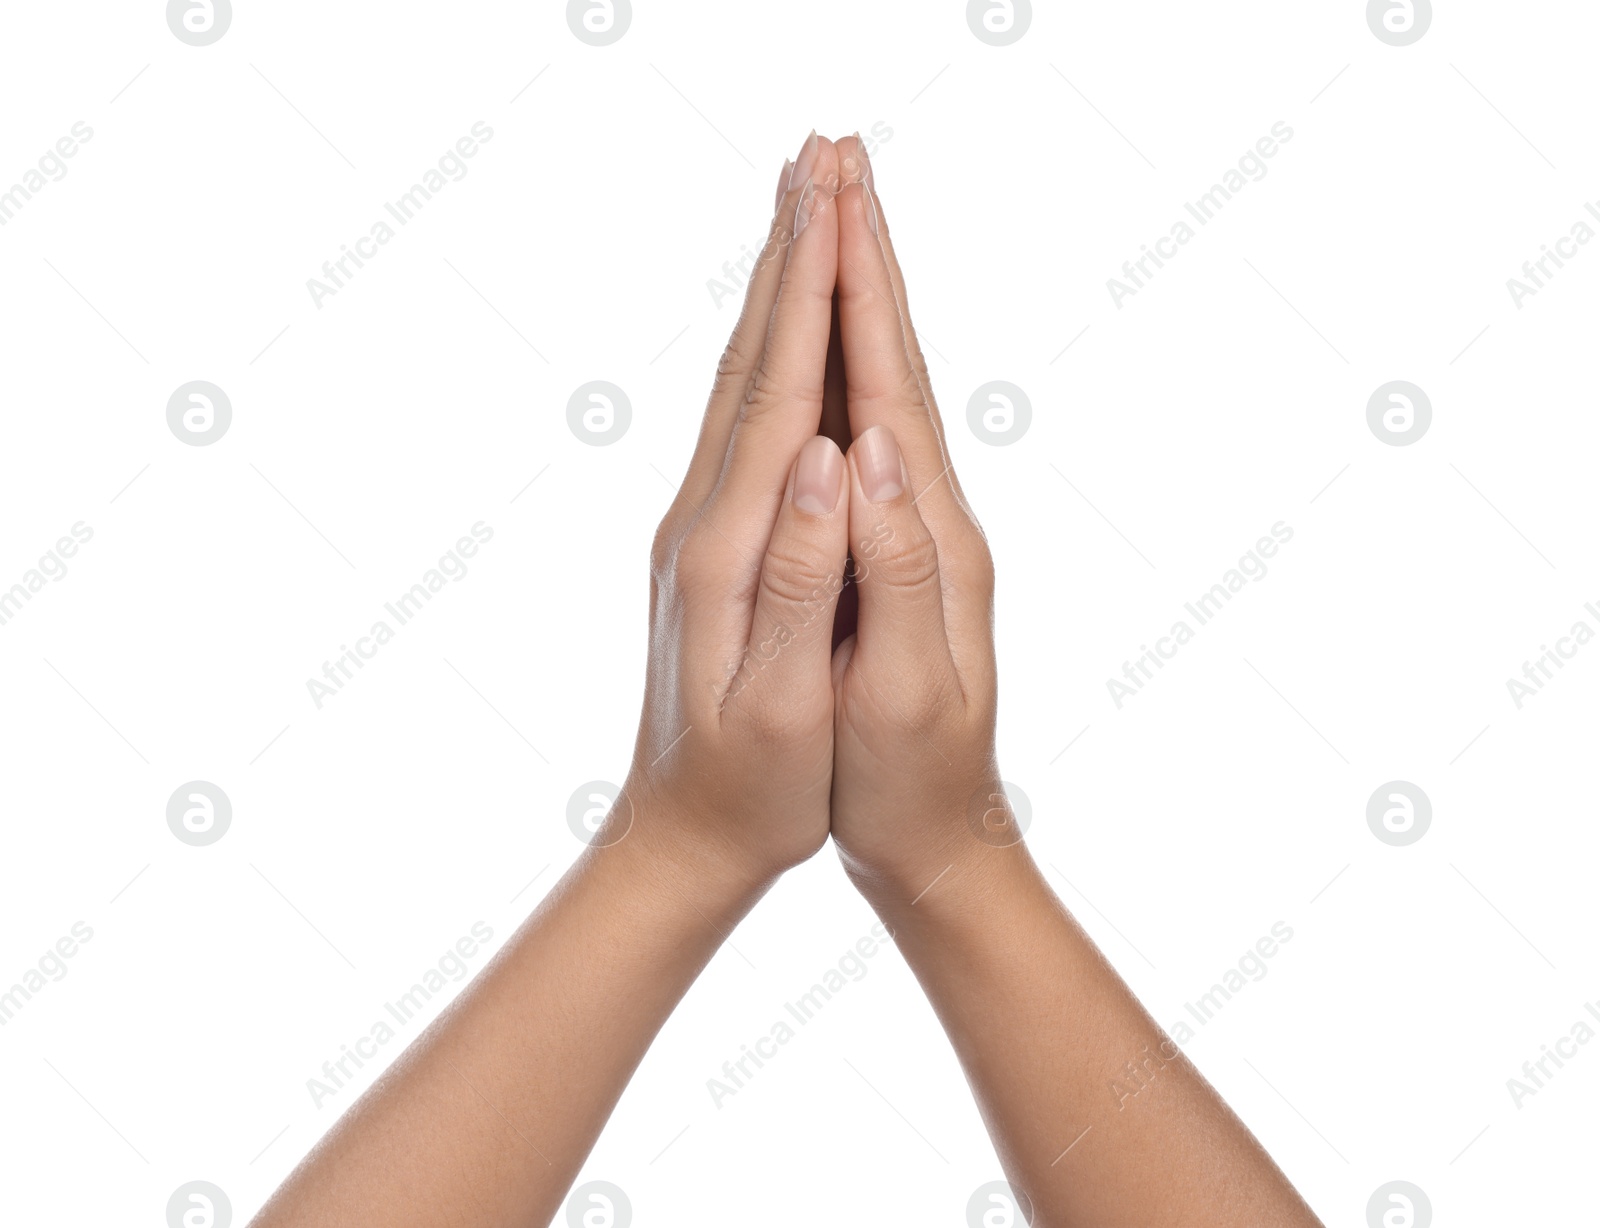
(910, 389)
(694, 554)
(795, 575)
(769, 389)
(761, 392)
(906, 560)
(731, 370)
(664, 551)
(681, 557)
(919, 361)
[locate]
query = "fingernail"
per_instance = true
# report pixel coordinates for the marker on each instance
(816, 479)
(802, 213)
(878, 464)
(872, 209)
(866, 162)
(783, 183)
(804, 164)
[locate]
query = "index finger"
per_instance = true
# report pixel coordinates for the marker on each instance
(816, 159)
(886, 376)
(782, 406)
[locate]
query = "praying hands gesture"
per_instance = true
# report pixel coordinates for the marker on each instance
(821, 663)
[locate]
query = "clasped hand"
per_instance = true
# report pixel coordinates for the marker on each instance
(821, 662)
(821, 650)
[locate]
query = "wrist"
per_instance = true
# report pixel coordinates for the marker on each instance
(663, 840)
(955, 878)
(971, 920)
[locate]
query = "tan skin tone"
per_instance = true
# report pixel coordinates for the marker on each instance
(778, 712)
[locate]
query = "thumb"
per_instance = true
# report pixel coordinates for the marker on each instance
(900, 623)
(791, 632)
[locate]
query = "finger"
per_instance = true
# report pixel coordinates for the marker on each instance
(859, 156)
(816, 158)
(784, 178)
(783, 402)
(900, 625)
(791, 629)
(889, 386)
(885, 385)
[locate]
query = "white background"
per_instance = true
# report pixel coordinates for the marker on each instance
(369, 835)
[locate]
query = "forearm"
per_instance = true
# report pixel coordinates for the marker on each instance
(1096, 1115)
(488, 1117)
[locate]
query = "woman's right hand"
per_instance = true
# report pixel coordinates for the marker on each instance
(916, 787)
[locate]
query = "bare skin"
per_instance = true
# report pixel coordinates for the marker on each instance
(783, 705)
(1041, 1022)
